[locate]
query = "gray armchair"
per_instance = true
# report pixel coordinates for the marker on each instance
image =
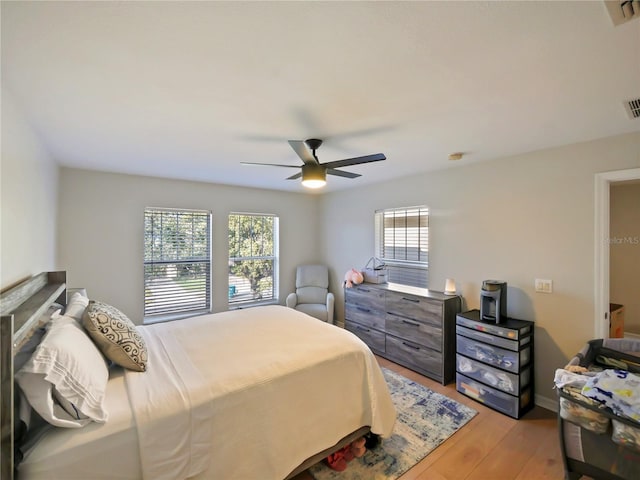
(312, 295)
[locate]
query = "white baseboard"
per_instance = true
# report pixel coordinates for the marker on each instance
(635, 336)
(547, 403)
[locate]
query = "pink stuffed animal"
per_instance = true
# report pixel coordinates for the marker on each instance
(353, 277)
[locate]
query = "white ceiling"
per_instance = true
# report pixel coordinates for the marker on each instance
(189, 90)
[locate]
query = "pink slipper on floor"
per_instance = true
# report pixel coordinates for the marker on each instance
(337, 462)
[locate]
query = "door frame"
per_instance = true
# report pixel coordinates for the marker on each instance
(603, 183)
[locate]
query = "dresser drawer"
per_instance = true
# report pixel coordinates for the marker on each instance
(364, 316)
(507, 382)
(495, 356)
(414, 307)
(415, 331)
(373, 338)
(414, 356)
(366, 297)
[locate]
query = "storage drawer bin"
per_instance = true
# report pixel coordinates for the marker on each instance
(496, 356)
(511, 329)
(505, 381)
(514, 345)
(510, 405)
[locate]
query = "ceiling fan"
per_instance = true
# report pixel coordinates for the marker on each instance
(314, 173)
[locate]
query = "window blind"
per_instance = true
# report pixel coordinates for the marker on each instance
(402, 242)
(177, 262)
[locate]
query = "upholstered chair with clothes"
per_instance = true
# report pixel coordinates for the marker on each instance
(312, 295)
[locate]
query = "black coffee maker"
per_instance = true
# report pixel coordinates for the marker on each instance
(493, 301)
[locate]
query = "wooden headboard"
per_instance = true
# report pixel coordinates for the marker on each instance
(21, 308)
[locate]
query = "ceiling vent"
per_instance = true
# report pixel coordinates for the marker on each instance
(622, 11)
(633, 108)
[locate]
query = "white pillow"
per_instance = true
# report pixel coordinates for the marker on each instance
(32, 343)
(76, 306)
(65, 380)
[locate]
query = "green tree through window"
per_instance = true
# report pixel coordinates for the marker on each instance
(253, 253)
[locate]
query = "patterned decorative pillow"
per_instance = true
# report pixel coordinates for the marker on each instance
(115, 335)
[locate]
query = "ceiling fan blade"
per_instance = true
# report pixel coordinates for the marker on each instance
(303, 152)
(340, 173)
(269, 165)
(376, 157)
(293, 177)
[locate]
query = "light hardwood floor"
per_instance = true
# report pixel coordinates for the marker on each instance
(491, 446)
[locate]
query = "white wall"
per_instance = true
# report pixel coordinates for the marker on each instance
(514, 219)
(100, 231)
(28, 194)
(624, 252)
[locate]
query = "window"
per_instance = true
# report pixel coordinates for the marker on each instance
(402, 242)
(253, 258)
(177, 263)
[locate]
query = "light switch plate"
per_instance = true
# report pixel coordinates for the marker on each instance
(544, 285)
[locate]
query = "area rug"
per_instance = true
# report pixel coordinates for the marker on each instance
(425, 420)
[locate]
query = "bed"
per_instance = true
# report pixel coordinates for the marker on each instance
(261, 392)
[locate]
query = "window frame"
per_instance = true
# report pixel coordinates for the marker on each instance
(274, 258)
(405, 271)
(172, 312)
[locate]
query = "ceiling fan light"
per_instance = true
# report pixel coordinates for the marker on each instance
(313, 176)
(314, 183)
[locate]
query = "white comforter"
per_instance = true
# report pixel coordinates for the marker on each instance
(249, 394)
(268, 387)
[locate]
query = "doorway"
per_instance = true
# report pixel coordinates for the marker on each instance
(603, 183)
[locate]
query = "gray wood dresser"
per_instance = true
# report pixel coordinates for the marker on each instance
(413, 327)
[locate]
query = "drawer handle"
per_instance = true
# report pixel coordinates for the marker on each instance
(360, 289)
(363, 329)
(411, 346)
(414, 300)
(366, 310)
(409, 322)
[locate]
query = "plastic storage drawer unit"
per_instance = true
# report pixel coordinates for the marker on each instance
(494, 362)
